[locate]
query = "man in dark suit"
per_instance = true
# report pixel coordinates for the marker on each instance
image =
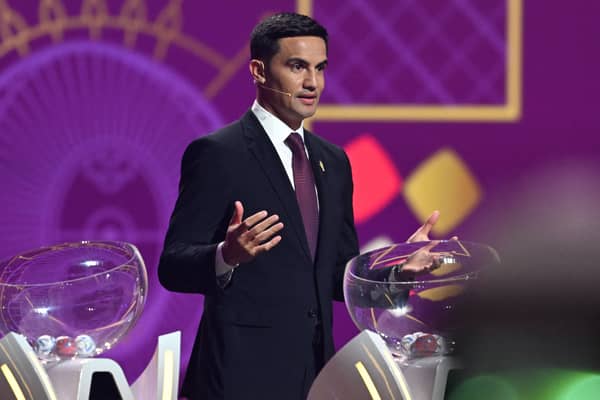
(263, 227)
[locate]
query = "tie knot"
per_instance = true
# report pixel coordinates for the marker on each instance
(294, 142)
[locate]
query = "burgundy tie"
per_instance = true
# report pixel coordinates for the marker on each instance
(304, 183)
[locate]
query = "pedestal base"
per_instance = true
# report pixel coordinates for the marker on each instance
(89, 379)
(427, 376)
(365, 369)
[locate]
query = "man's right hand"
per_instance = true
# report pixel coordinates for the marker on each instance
(247, 238)
(422, 260)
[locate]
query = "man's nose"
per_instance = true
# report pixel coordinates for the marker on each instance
(310, 80)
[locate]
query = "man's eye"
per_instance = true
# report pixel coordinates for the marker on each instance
(297, 67)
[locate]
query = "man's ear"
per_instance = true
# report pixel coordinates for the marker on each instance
(257, 70)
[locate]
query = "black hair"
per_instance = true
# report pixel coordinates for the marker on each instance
(264, 38)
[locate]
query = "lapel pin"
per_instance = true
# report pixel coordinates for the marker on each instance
(322, 165)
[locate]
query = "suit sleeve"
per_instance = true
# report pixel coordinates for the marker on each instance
(347, 243)
(199, 221)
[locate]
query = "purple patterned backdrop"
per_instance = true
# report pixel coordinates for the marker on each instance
(434, 52)
(99, 98)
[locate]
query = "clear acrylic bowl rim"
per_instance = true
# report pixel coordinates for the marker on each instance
(455, 278)
(131, 247)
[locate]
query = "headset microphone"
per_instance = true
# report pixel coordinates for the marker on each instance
(274, 90)
(262, 81)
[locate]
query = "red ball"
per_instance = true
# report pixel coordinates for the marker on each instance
(66, 346)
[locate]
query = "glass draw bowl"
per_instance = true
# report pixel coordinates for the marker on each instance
(73, 299)
(415, 314)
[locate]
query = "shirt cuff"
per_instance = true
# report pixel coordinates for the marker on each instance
(221, 267)
(223, 271)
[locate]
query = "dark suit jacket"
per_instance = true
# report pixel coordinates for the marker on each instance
(255, 336)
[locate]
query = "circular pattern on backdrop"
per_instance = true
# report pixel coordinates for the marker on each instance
(92, 137)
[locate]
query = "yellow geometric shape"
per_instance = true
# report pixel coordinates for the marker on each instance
(442, 182)
(441, 293)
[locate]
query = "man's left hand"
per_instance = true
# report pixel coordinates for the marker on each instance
(422, 234)
(423, 260)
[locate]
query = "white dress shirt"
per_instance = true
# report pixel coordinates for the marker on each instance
(277, 131)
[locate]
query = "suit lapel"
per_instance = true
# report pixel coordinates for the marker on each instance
(261, 147)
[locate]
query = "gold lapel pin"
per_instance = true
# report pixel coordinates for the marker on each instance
(322, 165)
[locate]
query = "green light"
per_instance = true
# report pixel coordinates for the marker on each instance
(529, 384)
(484, 386)
(585, 388)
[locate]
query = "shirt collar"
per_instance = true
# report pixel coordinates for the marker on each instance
(276, 129)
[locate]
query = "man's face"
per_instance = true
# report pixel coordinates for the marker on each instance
(298, 69)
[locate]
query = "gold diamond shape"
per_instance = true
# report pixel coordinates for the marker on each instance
(442, 182)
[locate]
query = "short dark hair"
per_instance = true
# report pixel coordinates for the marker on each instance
(264, 38)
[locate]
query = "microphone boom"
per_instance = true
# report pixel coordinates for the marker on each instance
(275, 90)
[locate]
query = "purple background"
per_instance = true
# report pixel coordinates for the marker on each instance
(92, 128)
